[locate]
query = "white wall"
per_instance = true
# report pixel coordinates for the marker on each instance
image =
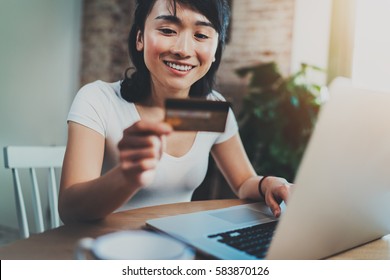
(311, 35)
(39, 76)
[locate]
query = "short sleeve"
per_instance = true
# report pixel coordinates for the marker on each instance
(88, 108)
(231, 127)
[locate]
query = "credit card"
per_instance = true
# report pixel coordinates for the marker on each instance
(196, 114)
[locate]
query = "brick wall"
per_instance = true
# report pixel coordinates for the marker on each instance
(106, 24)
(261, 32)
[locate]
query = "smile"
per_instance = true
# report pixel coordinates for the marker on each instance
(178, 67)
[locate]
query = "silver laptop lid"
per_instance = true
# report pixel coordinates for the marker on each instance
(342, 194)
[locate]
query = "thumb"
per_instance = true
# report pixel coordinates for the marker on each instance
(163, 146)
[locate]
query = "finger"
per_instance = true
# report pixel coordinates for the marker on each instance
(134, 142)
(137, 155)
(274, 206)
(163, 145)
(145, 165)
(276, 210)
(146, 128)
(280, 194)
(283, 193)
(136, 167)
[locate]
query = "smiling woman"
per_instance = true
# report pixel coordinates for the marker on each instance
(214, 17)
(119, 147)
(178, 48)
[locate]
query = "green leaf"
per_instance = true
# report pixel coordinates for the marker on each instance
(277, 117)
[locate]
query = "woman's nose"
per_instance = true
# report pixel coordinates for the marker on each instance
(183, 46)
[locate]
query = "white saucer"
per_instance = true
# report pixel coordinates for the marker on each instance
(138, 245)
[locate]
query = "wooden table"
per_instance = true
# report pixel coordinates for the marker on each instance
(59, 243)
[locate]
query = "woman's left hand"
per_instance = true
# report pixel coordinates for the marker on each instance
(275, 190)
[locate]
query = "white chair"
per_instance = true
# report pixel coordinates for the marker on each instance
(22, 157)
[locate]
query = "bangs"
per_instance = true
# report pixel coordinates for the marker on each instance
(217, 14)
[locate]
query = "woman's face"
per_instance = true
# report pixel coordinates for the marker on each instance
(178, 50)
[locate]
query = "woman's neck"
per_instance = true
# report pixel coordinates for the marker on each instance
(158, 96)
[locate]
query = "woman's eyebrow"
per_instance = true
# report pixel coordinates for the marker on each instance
(170, 18)
(176, 20)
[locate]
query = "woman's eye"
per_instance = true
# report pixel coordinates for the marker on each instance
(167, 31)
(201, 36)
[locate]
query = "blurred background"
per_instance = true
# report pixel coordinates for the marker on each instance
(49, 49)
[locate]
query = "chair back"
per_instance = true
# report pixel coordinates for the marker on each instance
(32, 158)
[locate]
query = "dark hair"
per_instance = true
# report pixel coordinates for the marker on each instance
(137, 87)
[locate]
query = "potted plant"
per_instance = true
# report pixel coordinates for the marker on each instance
(277, 117)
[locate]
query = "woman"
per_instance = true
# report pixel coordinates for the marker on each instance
(119, 149)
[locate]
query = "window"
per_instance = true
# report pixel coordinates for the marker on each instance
(371, 55)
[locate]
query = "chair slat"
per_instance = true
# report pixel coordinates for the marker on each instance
(53, 201)
(36, 198)
(30, 157)
(20, 206)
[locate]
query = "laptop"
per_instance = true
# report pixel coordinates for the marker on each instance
(341, 197)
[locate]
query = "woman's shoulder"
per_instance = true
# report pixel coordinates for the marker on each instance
(215, 96)
(99, 96)
(100, 89)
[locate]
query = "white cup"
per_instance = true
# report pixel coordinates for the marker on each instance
(133, 245)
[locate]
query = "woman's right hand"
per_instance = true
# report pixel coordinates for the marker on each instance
(140, 149)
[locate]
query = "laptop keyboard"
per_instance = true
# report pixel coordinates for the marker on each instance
(253, 240)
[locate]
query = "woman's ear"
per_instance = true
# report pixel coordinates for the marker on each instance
(140, 41)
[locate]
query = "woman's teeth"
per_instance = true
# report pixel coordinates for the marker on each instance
(179, 67)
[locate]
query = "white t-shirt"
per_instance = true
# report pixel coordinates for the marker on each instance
(99, 106)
